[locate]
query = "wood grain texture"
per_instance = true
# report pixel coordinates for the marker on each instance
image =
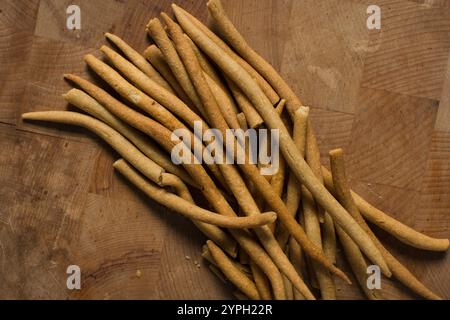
(382, 95)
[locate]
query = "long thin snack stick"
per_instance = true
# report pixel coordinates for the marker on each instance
(253, 118)
(312, 155)
(278, 179)
(242, 121)
(235, 181)
(211, 72)
(207, 256)
(86, 103)
(156, 58)
(261, 282)
(155, 91)
(342, 191)
(143, 101)
(291, 154)
(162, 135)
(357, 263)
(262, 83)
(296, 256)
(226, 104)
(139, 61)
(186, 208)
(312, 228)
(237, 277)
(293, 192)
(159, 35)
(235, 39)
(125, 148)
(376, 216)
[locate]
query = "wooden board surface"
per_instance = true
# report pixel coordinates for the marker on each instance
(382, 95)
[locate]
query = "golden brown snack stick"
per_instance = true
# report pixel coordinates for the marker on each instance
(83, 101)
(139, 61)
(159, 35)
(226, 105)
(312, 224)
(342, 190)
(358, 264)
(152, 89)
(235, 39)
(313, 160)
(186, 208)
(207, 256)
(234, 180)
(237, 277)
(261, 282)
(156, 58)
(291, 155)
(211, 71)
(293, 192)
(254, 120)
(162, 136)
(392, 226)
(265, 86)
(125, 148)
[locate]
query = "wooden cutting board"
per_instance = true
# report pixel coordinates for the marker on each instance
(382, 95)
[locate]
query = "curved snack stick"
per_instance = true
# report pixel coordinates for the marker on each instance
(392, 226)
(293, 192)
(376, 216)
(159, 35)
(342, 191)
(211, 72)
(86, 103)
(138, 98)
(126, 149)
(151, 170)
(162, 135)
(237, 41)
(230, 173)
(261, 282)
(237, 277)
(156, 58)
(90, 105)
(291, 155)
(235, 181)
(186, 208)
(254, 120)
(139, 61)
(262, 83)
(357, 263)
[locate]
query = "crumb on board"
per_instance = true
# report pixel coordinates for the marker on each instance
(138, 273)
(188, 258)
